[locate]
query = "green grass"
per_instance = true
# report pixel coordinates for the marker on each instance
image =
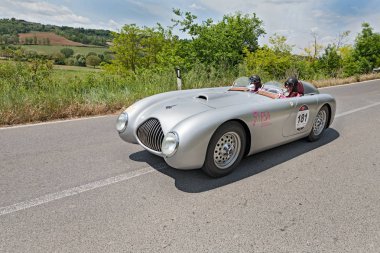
(43, 49)
(37, 91)
(65, 68)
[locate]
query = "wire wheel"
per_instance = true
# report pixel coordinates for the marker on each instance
(227, 150)
(320, 122)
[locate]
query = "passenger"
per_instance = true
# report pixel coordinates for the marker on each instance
(256, 81)
(294, 87)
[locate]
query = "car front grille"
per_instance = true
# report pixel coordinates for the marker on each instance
(150, 134)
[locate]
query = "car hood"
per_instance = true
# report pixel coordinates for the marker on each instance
(172, 110)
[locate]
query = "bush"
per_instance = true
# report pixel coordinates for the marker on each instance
(67, 52)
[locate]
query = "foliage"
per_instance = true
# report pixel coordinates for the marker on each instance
(136, 47)
(9, 28)
(367, 49)
(93, 60)
(331, 61)
(279, 44)
(67, 52)
(222, 42)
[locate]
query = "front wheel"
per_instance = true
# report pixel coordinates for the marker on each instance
(225, 150)
(319, 124)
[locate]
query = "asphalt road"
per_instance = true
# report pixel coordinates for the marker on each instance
(75, 186)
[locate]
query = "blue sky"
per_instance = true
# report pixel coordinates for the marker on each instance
(296, 19)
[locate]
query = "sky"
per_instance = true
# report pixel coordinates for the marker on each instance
(295, 19)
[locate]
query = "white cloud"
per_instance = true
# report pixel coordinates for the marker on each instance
(195, 6)
(41, 11)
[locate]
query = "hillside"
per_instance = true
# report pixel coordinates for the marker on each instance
(46, 38)
(10, 28)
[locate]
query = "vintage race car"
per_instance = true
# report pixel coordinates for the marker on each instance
(214, 128)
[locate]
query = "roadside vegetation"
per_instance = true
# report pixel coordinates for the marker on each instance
(10, 28)
(143, 60)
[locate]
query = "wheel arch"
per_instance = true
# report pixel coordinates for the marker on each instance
(330, 115)
(247, 134)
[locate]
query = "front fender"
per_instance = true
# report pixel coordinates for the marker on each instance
(195, 134)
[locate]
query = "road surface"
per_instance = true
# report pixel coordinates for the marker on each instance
(75, 186)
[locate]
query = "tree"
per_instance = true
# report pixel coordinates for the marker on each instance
(279, 44)
(58, 58)
(67, 52)
(349, 65)
(367, 48)
(222, 42)
(80, 60)
(137, 47)
(342, 39)
(268, 63)
(331, 61)
(315, 49)
(93, 60)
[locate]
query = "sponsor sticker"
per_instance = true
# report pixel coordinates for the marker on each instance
(302, 117)
(263, 118)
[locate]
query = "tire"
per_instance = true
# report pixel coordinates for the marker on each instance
(319, 124)
(225, 150)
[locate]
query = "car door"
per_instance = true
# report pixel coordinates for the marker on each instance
(301, 116)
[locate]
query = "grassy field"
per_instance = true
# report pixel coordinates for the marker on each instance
(38, 91)
(65, 68)
(41, 49)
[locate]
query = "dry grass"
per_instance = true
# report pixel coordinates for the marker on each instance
(340, 81)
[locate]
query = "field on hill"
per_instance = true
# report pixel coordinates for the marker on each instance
(53, 38)
(42, 49)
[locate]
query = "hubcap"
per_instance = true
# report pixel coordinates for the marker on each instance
(320, 122)
(227, 150)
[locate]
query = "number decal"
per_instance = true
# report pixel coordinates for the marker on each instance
(302, 117)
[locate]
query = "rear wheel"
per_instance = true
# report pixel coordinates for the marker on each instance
(225, 150)
(319, 124)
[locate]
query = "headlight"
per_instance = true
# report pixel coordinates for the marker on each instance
(170, 144)
(121, 122)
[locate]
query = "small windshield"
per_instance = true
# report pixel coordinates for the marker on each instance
(241, 82)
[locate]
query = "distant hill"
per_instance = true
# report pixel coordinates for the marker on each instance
(45, 38)
(11, 28)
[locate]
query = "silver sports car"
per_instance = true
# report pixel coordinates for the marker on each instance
(215, 128)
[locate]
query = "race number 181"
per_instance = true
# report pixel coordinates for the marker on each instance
(302, 118)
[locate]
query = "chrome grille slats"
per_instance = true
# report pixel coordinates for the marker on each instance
(150, 134)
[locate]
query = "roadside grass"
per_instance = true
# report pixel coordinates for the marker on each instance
(340, 81)
(35, 92)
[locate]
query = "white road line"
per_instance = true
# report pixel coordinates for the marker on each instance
(356, 110)
(77, 190)
(55, 122)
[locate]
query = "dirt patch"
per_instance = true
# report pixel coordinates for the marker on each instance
(41, 38)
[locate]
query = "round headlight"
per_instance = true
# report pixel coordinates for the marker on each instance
(170, 144)
(121, 122)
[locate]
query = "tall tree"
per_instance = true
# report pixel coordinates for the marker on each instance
(222, 42)
(367, 48)
(137, 47)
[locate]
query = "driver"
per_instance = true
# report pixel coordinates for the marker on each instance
(294, 87)
(255, 80)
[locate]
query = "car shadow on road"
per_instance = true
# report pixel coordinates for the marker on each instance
(195, 181)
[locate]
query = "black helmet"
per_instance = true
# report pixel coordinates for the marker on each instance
(255, 79)
(291, 82)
